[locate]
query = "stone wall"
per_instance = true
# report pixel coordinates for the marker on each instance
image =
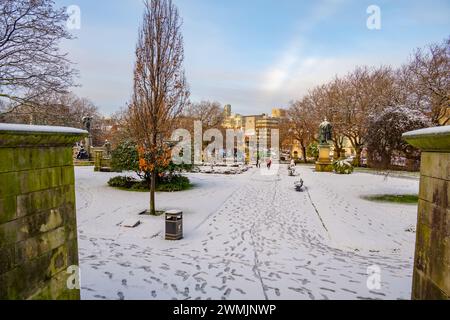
(431, 279)
(38, 236)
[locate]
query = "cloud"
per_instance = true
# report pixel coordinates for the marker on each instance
(253, 69)
(311, 71)
(280, 73)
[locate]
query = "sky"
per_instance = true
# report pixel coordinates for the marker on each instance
(253, 54)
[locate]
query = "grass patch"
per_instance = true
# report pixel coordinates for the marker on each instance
(394, 198)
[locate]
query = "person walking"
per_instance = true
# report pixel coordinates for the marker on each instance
(269, 163)
(292, 163)
(291, 168)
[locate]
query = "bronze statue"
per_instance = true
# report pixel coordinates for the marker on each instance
(325, 132)
(107, 148)
(87, 120)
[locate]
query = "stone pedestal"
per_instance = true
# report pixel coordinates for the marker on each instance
(88, 145)
(324, 164)
(98, 155)
(431, 278)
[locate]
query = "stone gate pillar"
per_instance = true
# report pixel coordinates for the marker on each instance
(38, 231)
(431, 279)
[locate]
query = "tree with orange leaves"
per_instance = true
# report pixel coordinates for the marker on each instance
(160, 90)
(163, 159)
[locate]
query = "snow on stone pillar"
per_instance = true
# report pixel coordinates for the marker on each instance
(38, 230)
(431, 279)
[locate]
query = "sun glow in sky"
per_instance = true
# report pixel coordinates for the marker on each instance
(252, 54)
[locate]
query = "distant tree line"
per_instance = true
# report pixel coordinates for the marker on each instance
(372, 107)
(35, 75)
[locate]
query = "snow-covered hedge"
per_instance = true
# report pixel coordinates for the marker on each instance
(218, 169)
(343, 167)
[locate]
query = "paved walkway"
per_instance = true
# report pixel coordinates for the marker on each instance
(265, 241)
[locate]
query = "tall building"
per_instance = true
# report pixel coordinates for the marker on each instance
(227, 110)
(253, 125)
(252, 122)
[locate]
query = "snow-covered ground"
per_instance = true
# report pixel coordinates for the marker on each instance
(248, 236)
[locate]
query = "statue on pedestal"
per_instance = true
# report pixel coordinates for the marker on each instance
(87, 122)
(107, 147)
(325, 132)
(324, 163)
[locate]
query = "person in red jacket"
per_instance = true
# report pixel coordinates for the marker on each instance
(269, 163)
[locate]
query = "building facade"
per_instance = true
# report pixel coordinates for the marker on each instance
(257, 127)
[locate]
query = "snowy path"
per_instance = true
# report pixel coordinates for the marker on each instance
(249, 237)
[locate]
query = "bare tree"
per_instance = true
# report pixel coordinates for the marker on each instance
(56, 109)
(303, 123)
(160, 91)
(210, 113)
(287, 140)
(328, 102)
(120, 130)
(386, 129)
(369, 92)
(348, 103)
(426, 81)
(352, 102)
(31, 63)
(60, 110)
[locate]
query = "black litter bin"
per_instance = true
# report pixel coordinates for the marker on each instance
(174, 225)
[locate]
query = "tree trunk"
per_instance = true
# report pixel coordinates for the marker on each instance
(337, 153)
(357, 161)
(152, 193)
(386, 161)
(339, 150)
(304, 154)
